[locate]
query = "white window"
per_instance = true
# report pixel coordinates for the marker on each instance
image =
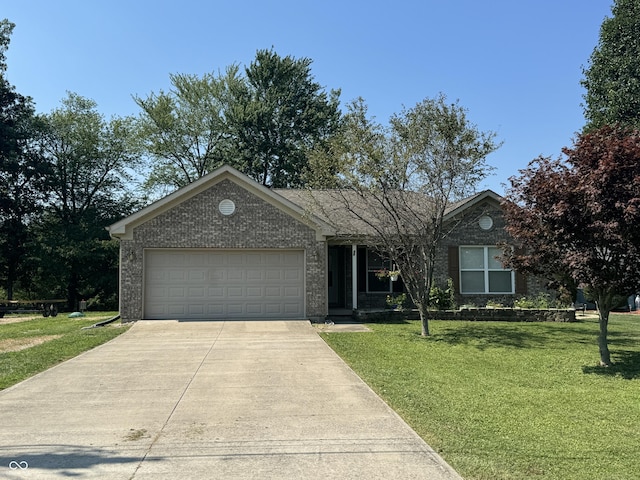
(375, 265)
(482, 272)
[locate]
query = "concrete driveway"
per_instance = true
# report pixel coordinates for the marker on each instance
(211, 400)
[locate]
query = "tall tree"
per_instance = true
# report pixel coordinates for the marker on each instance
(262, 121)
(612, 78)
(22, 172)
(279, 114)
(399, 181)
(184, 130)
(91, 161)
(577, 220)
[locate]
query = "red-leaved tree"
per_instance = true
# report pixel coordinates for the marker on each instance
(578, 220)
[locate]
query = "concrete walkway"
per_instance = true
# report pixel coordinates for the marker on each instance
(214, 400)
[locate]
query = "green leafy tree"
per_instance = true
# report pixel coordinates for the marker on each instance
(22, 172)
(398, 182)
(184, 130)
(91, 160)
(278, 115)
(577, 220)
(612, 78)
(263, 122)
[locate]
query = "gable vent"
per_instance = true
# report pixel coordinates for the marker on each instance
(227, 207)
(485, 222)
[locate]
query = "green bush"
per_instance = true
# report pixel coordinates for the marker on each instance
(541, 301)
(397, 301)
(443, 298)
(494, 304)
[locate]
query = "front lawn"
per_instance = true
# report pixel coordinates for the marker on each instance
(31, 345)
(511, 400)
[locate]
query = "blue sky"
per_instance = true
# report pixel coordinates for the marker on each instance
(515, 65)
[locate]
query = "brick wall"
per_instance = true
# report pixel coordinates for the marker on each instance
(197, 223)
(467, 231)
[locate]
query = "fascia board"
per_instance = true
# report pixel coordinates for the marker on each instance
(487, 194)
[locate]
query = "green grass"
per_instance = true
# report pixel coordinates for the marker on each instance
(70, 340)
(511, 400)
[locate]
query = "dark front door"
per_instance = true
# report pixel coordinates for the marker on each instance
(337, 277)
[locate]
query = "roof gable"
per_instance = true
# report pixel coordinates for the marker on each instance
(457, 208)
(124, 227)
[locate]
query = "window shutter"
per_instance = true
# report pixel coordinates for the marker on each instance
(454, 267)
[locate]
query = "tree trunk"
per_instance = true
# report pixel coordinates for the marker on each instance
(424, 319)
(605, 356)
(72, 289)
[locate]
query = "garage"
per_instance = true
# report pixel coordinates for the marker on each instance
(216, 284)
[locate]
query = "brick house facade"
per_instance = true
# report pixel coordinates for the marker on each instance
(227, 247)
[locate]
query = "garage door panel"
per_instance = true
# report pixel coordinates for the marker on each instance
(176, 275)
(253, 292)
(292, 292)
(196, 259)
(215, 310)
(235, 274)
(176, 293)
(235, 309)
(290, 259)
(254, 309)
(197, 275)
(224, 284)
(272, 292)
(292, 309)
(235, 259)
(196, 309)
(196, 292)
(273, 309)
(216, 292)
(156, 293)
(176, 310)
(292, 275)
(274, 275)
(235, 292)
(216, 275)
(253, 259)
(254, 275)
(156, 311)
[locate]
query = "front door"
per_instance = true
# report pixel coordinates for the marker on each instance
(337, 277)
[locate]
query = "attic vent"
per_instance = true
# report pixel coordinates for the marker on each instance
(485, 222)
(227, 207)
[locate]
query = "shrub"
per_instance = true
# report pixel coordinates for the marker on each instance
(494, 304)
(396, 301)
(443, 299)
(541, 301)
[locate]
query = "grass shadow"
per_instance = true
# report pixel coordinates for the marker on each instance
(485, 335)
(626, 365)
(491, 336)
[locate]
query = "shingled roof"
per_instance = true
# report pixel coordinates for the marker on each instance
(329, 205)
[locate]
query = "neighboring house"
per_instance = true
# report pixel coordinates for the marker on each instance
(226, 247)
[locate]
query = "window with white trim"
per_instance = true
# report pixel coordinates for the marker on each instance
(482, 272)
(375, 264)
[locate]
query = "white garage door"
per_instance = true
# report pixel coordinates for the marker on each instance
(221, 284)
